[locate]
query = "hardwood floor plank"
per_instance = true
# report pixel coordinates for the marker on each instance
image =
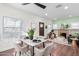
(64, 50)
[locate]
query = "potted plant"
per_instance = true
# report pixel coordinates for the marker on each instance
(67, 26)
(75, 35)
(31, 33)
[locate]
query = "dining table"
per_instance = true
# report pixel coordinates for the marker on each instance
(33, 44)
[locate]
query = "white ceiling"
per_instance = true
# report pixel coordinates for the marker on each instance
(51, 10)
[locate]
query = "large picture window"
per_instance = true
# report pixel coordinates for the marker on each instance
(75, 25)
(11, 27)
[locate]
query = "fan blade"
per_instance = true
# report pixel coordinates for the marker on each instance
(25, 3)
(59, 5)
(40, 5)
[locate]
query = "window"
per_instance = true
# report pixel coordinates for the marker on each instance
(75, 25)
(55, 26)
(11, 27)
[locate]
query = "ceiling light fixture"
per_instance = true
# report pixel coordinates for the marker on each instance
(66, 7)
(46, 14)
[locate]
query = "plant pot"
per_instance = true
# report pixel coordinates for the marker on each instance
(74, 44)
(31, 37)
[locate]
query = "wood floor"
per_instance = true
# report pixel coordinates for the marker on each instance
(58, 50)
(64, 50)
(10, 52)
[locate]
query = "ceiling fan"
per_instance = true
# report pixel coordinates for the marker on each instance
(58, 5)
(38, 4)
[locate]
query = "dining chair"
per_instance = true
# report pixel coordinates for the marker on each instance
(39, 52)
(48, 42)
(21, 48)
(40, 46)
(43, 51)
(48, 49)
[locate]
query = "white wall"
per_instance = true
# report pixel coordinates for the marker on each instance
(27, 18)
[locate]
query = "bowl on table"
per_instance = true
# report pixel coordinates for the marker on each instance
(36, 41)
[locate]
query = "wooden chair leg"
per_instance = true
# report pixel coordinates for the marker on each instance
(15, 53)
(20, 53)
(50, 54)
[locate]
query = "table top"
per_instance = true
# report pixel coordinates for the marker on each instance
(31, 43)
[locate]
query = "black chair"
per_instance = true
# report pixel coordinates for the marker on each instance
(69, 39)
(78, 41)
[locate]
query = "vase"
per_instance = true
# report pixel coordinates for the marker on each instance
(31, 37)
(74, 44)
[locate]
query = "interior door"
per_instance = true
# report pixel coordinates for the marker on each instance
(41, 29)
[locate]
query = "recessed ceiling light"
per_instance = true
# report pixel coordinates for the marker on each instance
(46, 14)
(66, 7)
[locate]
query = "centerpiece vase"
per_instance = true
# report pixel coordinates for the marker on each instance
(31, 37)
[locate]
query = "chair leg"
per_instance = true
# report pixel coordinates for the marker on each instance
(50, 54)
(19, 53)
(15, 53)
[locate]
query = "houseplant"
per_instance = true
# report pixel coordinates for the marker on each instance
(31, 33)
(67, 26)
(75, 35)
(74, 40)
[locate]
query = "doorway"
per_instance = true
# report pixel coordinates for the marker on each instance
(41, 29)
